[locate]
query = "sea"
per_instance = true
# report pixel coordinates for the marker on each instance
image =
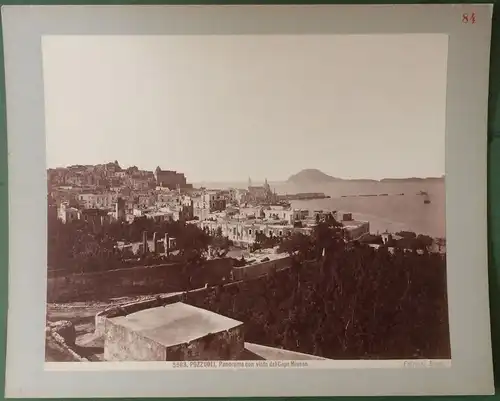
(393, 212)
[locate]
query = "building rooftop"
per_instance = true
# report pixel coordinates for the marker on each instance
(266, 223)
(159, 213)
(95, 212)
(175, 324)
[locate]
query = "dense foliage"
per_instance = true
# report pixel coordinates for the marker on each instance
(410, 240)
(345, 301)
(262, 241)
(81, 246)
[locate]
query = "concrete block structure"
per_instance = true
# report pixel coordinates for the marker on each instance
(171, 333)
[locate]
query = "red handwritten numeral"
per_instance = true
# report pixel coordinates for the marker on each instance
(469, 18)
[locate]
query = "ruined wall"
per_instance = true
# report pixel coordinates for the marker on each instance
(60, 340)
(135, 281)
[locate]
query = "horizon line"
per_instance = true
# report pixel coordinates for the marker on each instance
(258, 181)
(334, 179)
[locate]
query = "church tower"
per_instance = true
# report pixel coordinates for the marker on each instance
(157, 175)
(249, 182)
(267, 187)
(268, 192)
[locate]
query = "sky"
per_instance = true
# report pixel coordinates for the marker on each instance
(225, 108)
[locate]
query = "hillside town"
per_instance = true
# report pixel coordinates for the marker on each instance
(106, 193)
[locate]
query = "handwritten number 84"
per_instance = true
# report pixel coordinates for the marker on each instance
(469, 18)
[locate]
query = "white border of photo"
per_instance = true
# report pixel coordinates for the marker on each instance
(470, 370)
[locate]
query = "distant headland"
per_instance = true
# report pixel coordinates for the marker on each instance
(315, 176)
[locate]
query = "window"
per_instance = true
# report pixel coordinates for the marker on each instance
(280, 233)
(249, 232)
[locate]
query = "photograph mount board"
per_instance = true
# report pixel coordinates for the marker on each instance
(223, 193)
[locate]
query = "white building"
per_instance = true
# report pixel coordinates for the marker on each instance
(244, 232)
(289, 215)
(356, 229)
(97, 201)
(67, 214)
(160, 216)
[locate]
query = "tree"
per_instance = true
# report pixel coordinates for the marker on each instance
(218, 232)
(297, 244)
(425, 242)
(440, 242)
(407, 234)
(328, 236)
(220, 245)
(79, 246)
(371, 239)
(192, 242)
(262, 241)
(362, 303)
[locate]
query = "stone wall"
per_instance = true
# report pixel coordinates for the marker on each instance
(122, 344)
(258, 269)
(135, 281)
(195, 297)
(63, 335)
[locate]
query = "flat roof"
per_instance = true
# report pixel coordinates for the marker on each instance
(175, 324)
(162, 213)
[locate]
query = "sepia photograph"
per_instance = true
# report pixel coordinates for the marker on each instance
(203, 197)
(246, 197)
